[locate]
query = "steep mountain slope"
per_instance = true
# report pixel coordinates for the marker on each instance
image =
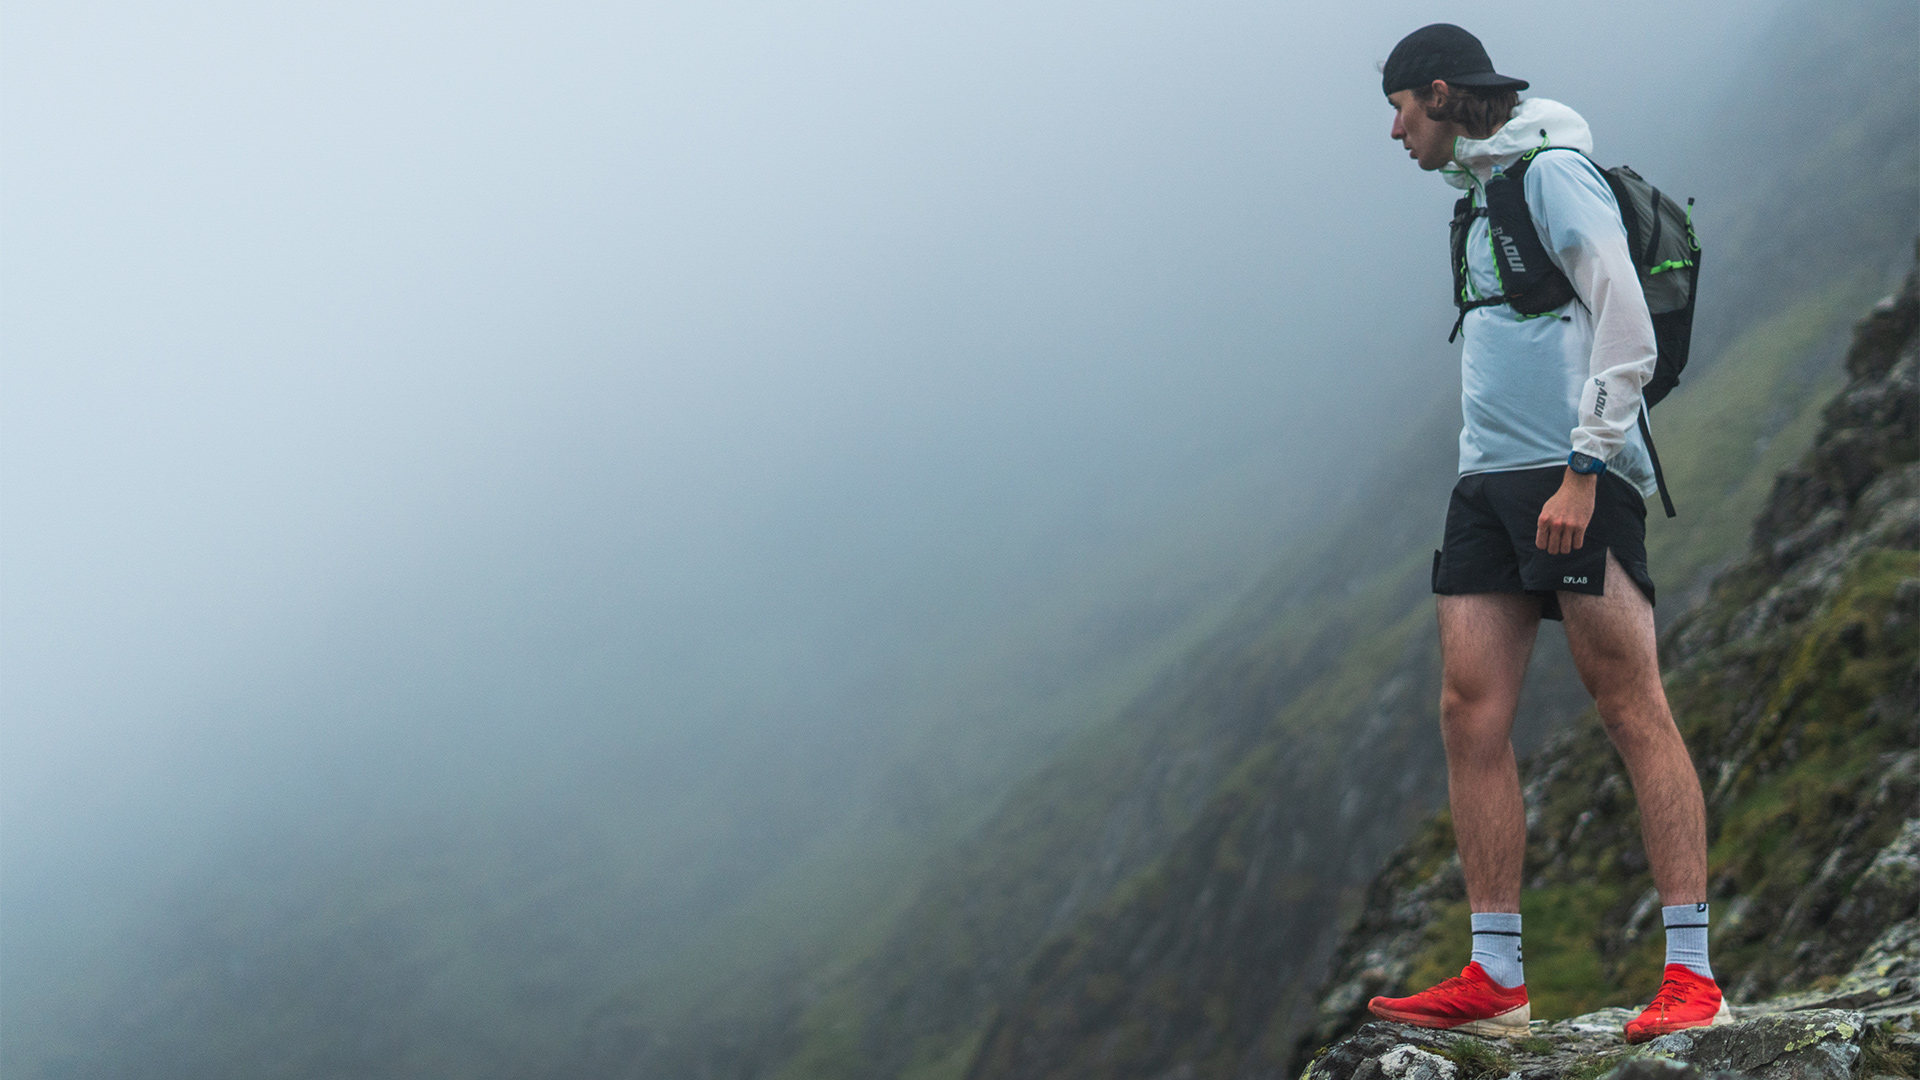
(1797, 685)
(1165, 895)
(471, 943)
(1089, 821)
(1828, 100)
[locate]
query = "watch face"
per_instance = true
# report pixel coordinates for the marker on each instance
(1581, 463)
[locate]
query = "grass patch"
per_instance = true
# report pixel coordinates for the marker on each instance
(1880, 1055)
(1476, 1058)
(1596, 1067)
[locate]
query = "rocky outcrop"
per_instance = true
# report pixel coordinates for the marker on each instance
(1865, 1027)
(1801, 1046)
(1798, 687)
(1817, 1045)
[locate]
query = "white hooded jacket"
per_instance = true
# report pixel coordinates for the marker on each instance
(1534, 388)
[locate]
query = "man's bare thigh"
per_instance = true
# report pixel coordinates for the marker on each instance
(1486, 640)
(1612, 635)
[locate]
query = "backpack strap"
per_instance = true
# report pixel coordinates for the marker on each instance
(1533, 284)
(1659, 476)
(1529, 281)
(1470, 305)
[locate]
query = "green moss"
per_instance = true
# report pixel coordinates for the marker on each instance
(1476, 1058)
(1596, 1066)
(1824, 736)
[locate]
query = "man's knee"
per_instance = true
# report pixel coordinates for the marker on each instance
(1637, 719)
(1464, 694)
(1474, 715)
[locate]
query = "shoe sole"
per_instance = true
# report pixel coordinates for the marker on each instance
(1721, 1017)
(1507, 1025)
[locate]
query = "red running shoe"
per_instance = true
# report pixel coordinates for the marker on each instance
(1685, 1000)
(1469, 1002)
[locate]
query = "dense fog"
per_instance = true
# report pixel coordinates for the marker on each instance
(702, 423)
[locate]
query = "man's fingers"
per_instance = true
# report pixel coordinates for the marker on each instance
(1562, 525)
(1553, 537)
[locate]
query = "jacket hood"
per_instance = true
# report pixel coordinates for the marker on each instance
(1536, 122)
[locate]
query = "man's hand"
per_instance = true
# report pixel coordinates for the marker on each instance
(1563, 521)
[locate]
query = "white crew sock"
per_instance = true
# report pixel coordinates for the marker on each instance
(1687, 937)
(1496, 947)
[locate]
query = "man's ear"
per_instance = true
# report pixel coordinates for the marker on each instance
(1439, 92)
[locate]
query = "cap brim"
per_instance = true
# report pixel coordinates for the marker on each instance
(1489, 79)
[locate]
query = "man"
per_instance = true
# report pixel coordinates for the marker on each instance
(1547, 521)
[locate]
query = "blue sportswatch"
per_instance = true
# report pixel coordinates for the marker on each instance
(1585, 464)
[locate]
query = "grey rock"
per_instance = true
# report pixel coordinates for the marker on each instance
(1825, 527)
(1822, 1044)
(1657, 1069)
(1408, 1062)
(1677, 1044)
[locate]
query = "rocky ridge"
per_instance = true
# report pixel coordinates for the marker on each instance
(1798, 687)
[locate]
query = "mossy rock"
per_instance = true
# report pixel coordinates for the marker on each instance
(1820, 1044)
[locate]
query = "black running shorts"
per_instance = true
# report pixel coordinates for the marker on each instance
(1494, 517)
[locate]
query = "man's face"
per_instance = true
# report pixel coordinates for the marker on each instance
(1428, 142)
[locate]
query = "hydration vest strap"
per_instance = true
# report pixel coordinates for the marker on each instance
(1659, 477)
(1529, 281)
(1469, 305)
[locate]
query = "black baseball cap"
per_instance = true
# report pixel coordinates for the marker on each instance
(1441, 51)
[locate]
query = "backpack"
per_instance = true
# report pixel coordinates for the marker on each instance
(1660, 240)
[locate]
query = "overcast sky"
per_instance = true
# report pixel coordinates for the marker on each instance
(408, 394)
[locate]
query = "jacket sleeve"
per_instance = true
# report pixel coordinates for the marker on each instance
(1579, 223)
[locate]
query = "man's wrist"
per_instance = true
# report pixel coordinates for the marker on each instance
(1585, 464)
